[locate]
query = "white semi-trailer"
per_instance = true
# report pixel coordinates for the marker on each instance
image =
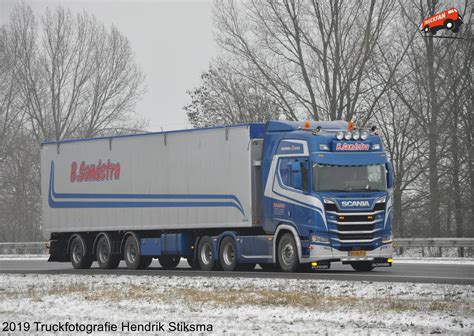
(225, 197)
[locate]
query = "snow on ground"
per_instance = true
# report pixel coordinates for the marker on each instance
(241, 305)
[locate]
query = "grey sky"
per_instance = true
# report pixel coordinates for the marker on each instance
(172, 40)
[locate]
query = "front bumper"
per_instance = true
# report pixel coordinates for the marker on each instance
(330, 254)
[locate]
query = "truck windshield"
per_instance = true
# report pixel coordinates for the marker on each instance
(349, 178)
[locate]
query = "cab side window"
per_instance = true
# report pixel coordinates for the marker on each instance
(294, 173)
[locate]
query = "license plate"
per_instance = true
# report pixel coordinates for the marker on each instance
(357, 253)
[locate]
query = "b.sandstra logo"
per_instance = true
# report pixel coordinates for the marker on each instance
(350, 204)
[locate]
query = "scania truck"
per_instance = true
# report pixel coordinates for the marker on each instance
(284, 195)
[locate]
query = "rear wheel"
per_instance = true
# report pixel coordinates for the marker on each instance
(205, 255)
(132, 256)
(169, 262)
(228, 254)
(103, 253)
(362, 266)
(78, 254)
(287, 253)
(193, 262)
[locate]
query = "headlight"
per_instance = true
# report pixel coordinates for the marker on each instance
(364, 134)
(387, 238)
(376, 147)
(328, 201)
(323, 147)
(347, 135)
(381, 200)
(319, 239)
(339, 135)
(355, 135)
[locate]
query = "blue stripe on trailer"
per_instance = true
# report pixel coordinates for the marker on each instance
(53, 203)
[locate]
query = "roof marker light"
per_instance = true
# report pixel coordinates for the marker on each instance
(347, 135)
(339, 135)
(350, 126)
(307, 124)
(355, 135)
(364, 135)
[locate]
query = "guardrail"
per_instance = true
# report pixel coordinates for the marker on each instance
(399, 243)
(24, 248)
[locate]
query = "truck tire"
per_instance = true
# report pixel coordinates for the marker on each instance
(78, 254)
(169, 262)
(132, 256)
(103, 253)
(228, 254)
(287, 253)
(193, 262)
(362, 266)
(145, 262)
(205, 255)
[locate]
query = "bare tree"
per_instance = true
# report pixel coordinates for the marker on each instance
(76, 77)
(314, 58)
(225, 97)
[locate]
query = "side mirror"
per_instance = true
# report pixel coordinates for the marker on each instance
(389, 175)
(296, 178)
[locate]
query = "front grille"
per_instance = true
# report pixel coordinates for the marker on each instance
(354, 226)
(350, 228)
(353, 218)
(355, 236)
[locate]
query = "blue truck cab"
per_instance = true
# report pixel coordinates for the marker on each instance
(331, 188)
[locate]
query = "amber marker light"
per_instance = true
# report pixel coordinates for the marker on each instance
(307, 124)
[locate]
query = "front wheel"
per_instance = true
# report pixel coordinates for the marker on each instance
(288, 253)
(449, 24)
(362, 266)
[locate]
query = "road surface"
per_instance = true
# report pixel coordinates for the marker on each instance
(415, 273)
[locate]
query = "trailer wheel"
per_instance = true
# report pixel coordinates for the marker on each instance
(228, 254)
(78, 254)
(103, 253)
(362, 266)
(205, 254)
(169, 262)
(132, 256)
(287, 253)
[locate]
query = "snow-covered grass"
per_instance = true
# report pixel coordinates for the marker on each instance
(241, 305)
